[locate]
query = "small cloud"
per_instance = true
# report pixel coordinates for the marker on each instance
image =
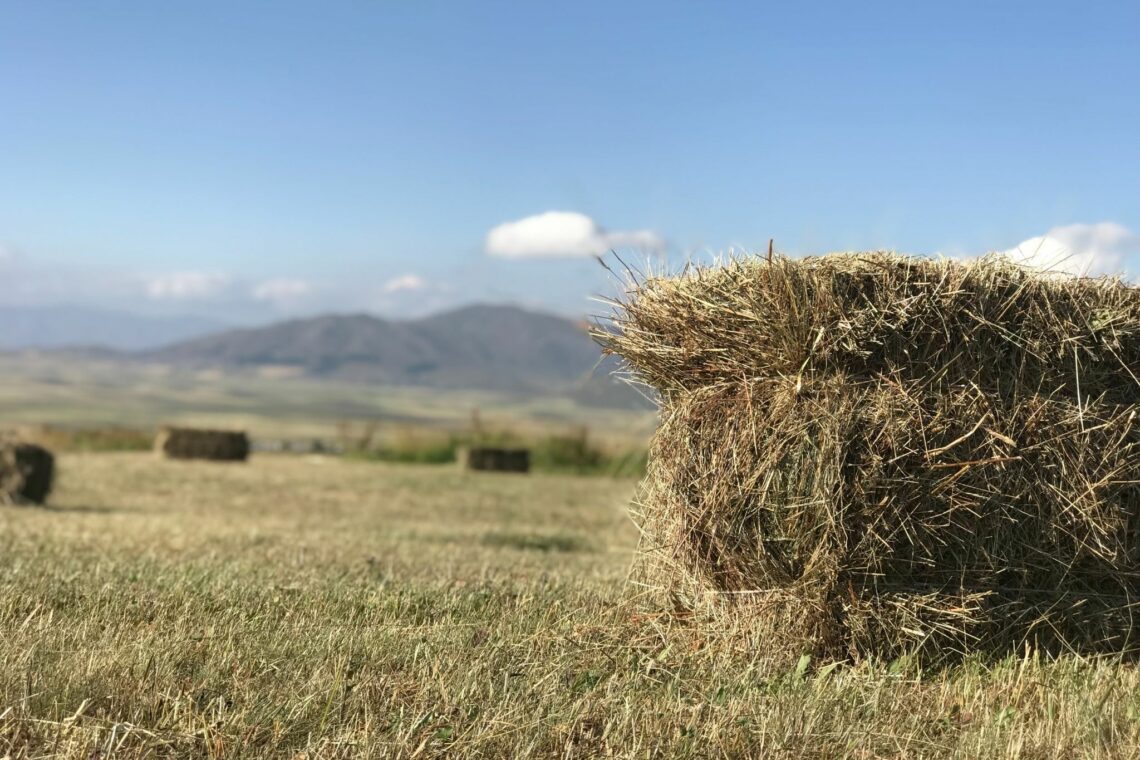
(186, 286)
(281, 291)
(564, 234)
(7, 255)
(404, 284)
(1081, 249)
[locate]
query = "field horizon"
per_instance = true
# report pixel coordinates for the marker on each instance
(90, 393)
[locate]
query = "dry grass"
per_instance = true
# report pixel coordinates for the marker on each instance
(878, 455)
(311, 607)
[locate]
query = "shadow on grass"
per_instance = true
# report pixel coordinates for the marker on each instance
(82, 509)
(537, 542)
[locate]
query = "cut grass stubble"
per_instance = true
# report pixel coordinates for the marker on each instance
(327, 608)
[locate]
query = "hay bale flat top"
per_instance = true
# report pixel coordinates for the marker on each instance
(880, 454)
(988, 321)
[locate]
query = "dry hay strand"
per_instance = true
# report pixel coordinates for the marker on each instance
(26, 473)
(494, 459)
(191, 443)
(874, 455)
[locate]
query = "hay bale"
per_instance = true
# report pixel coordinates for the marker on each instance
(877, 455)
(26, 472)
(191, 443)
(494, 459)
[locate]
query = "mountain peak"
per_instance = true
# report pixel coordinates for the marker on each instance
(482, 346)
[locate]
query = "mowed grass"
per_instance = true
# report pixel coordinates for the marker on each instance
(317, 607)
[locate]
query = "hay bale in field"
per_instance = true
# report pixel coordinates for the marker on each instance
(494, 459)
(875, 455)
(191, 443)
(26, 472)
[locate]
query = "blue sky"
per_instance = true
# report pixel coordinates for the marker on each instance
(255, 159)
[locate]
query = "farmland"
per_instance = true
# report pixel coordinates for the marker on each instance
(91, 393)
(320, 607)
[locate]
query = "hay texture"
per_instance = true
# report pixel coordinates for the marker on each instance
(494, 459)
(191, 443)
(26, 473)
(877, 455)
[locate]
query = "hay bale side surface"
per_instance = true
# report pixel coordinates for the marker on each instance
(494, 459)
(191, 443)
(26, 472)
(878, 455)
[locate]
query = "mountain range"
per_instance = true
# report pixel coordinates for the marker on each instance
(496, 348)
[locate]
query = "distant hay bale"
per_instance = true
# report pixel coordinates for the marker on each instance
(26, 472)
(876, 455)
(191, 443)
(494, 459)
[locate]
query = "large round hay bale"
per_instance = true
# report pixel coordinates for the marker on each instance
(192, 443)
(494, 459)
(878, 455)
(26, 472)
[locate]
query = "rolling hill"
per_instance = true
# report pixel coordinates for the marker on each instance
(498, 348)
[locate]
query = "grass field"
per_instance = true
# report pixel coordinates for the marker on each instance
(319, 607)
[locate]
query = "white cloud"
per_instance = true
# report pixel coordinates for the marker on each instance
(185, 286)
(1082, 249)
(281, 291)
(563, 234)
(404, 283)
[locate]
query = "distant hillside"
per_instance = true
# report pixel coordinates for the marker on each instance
(500, 348)
(55, 327)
